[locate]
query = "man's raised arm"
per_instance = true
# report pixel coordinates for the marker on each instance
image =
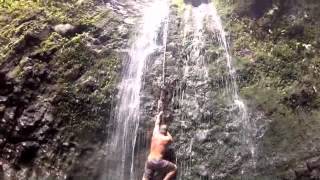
(157, 123)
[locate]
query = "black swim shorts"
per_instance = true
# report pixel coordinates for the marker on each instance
(153, 166)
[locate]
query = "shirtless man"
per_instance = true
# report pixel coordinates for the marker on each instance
(161, 138)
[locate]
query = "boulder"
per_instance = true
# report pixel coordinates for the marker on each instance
(65, 29)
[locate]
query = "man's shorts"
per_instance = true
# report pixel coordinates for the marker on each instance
(162, 166)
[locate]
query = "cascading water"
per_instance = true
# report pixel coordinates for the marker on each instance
(121, 147)
(249, 129)
(203, 27)
(195, 71)
(210, 119)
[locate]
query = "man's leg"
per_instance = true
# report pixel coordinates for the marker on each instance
(146, 177)
(148, 172)
(172, 168)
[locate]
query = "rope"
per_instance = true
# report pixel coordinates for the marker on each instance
(161, 106)
(165, 37)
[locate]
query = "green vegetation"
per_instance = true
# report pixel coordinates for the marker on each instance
(277, 57)
(85, 105)
(65, 71)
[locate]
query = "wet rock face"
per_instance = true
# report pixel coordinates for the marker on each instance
(206, 143)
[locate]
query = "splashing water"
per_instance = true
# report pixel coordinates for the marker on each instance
(197, 21)
(195, 76)
(121, 149)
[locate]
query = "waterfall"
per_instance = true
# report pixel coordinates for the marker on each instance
(199, 23)
(195, 71)
(183, 52)
(248, 127)
(121, 146)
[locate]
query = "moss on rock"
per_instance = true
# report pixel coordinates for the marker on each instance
(276, 55)
(73, 75)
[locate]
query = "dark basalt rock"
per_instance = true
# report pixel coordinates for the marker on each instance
(259, 7)
(27, 152)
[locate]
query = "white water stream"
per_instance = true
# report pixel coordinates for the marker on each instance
(197, 21)
(248, 127)
(121, 147)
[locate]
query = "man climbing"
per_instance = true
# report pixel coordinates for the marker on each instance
(161, 138)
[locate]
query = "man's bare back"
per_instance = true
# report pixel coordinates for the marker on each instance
(159, 145)
(161, 138)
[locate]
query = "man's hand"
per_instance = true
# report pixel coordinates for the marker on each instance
(159, 118)
(160, 115)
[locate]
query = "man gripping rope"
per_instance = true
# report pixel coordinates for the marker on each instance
(161, 138)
